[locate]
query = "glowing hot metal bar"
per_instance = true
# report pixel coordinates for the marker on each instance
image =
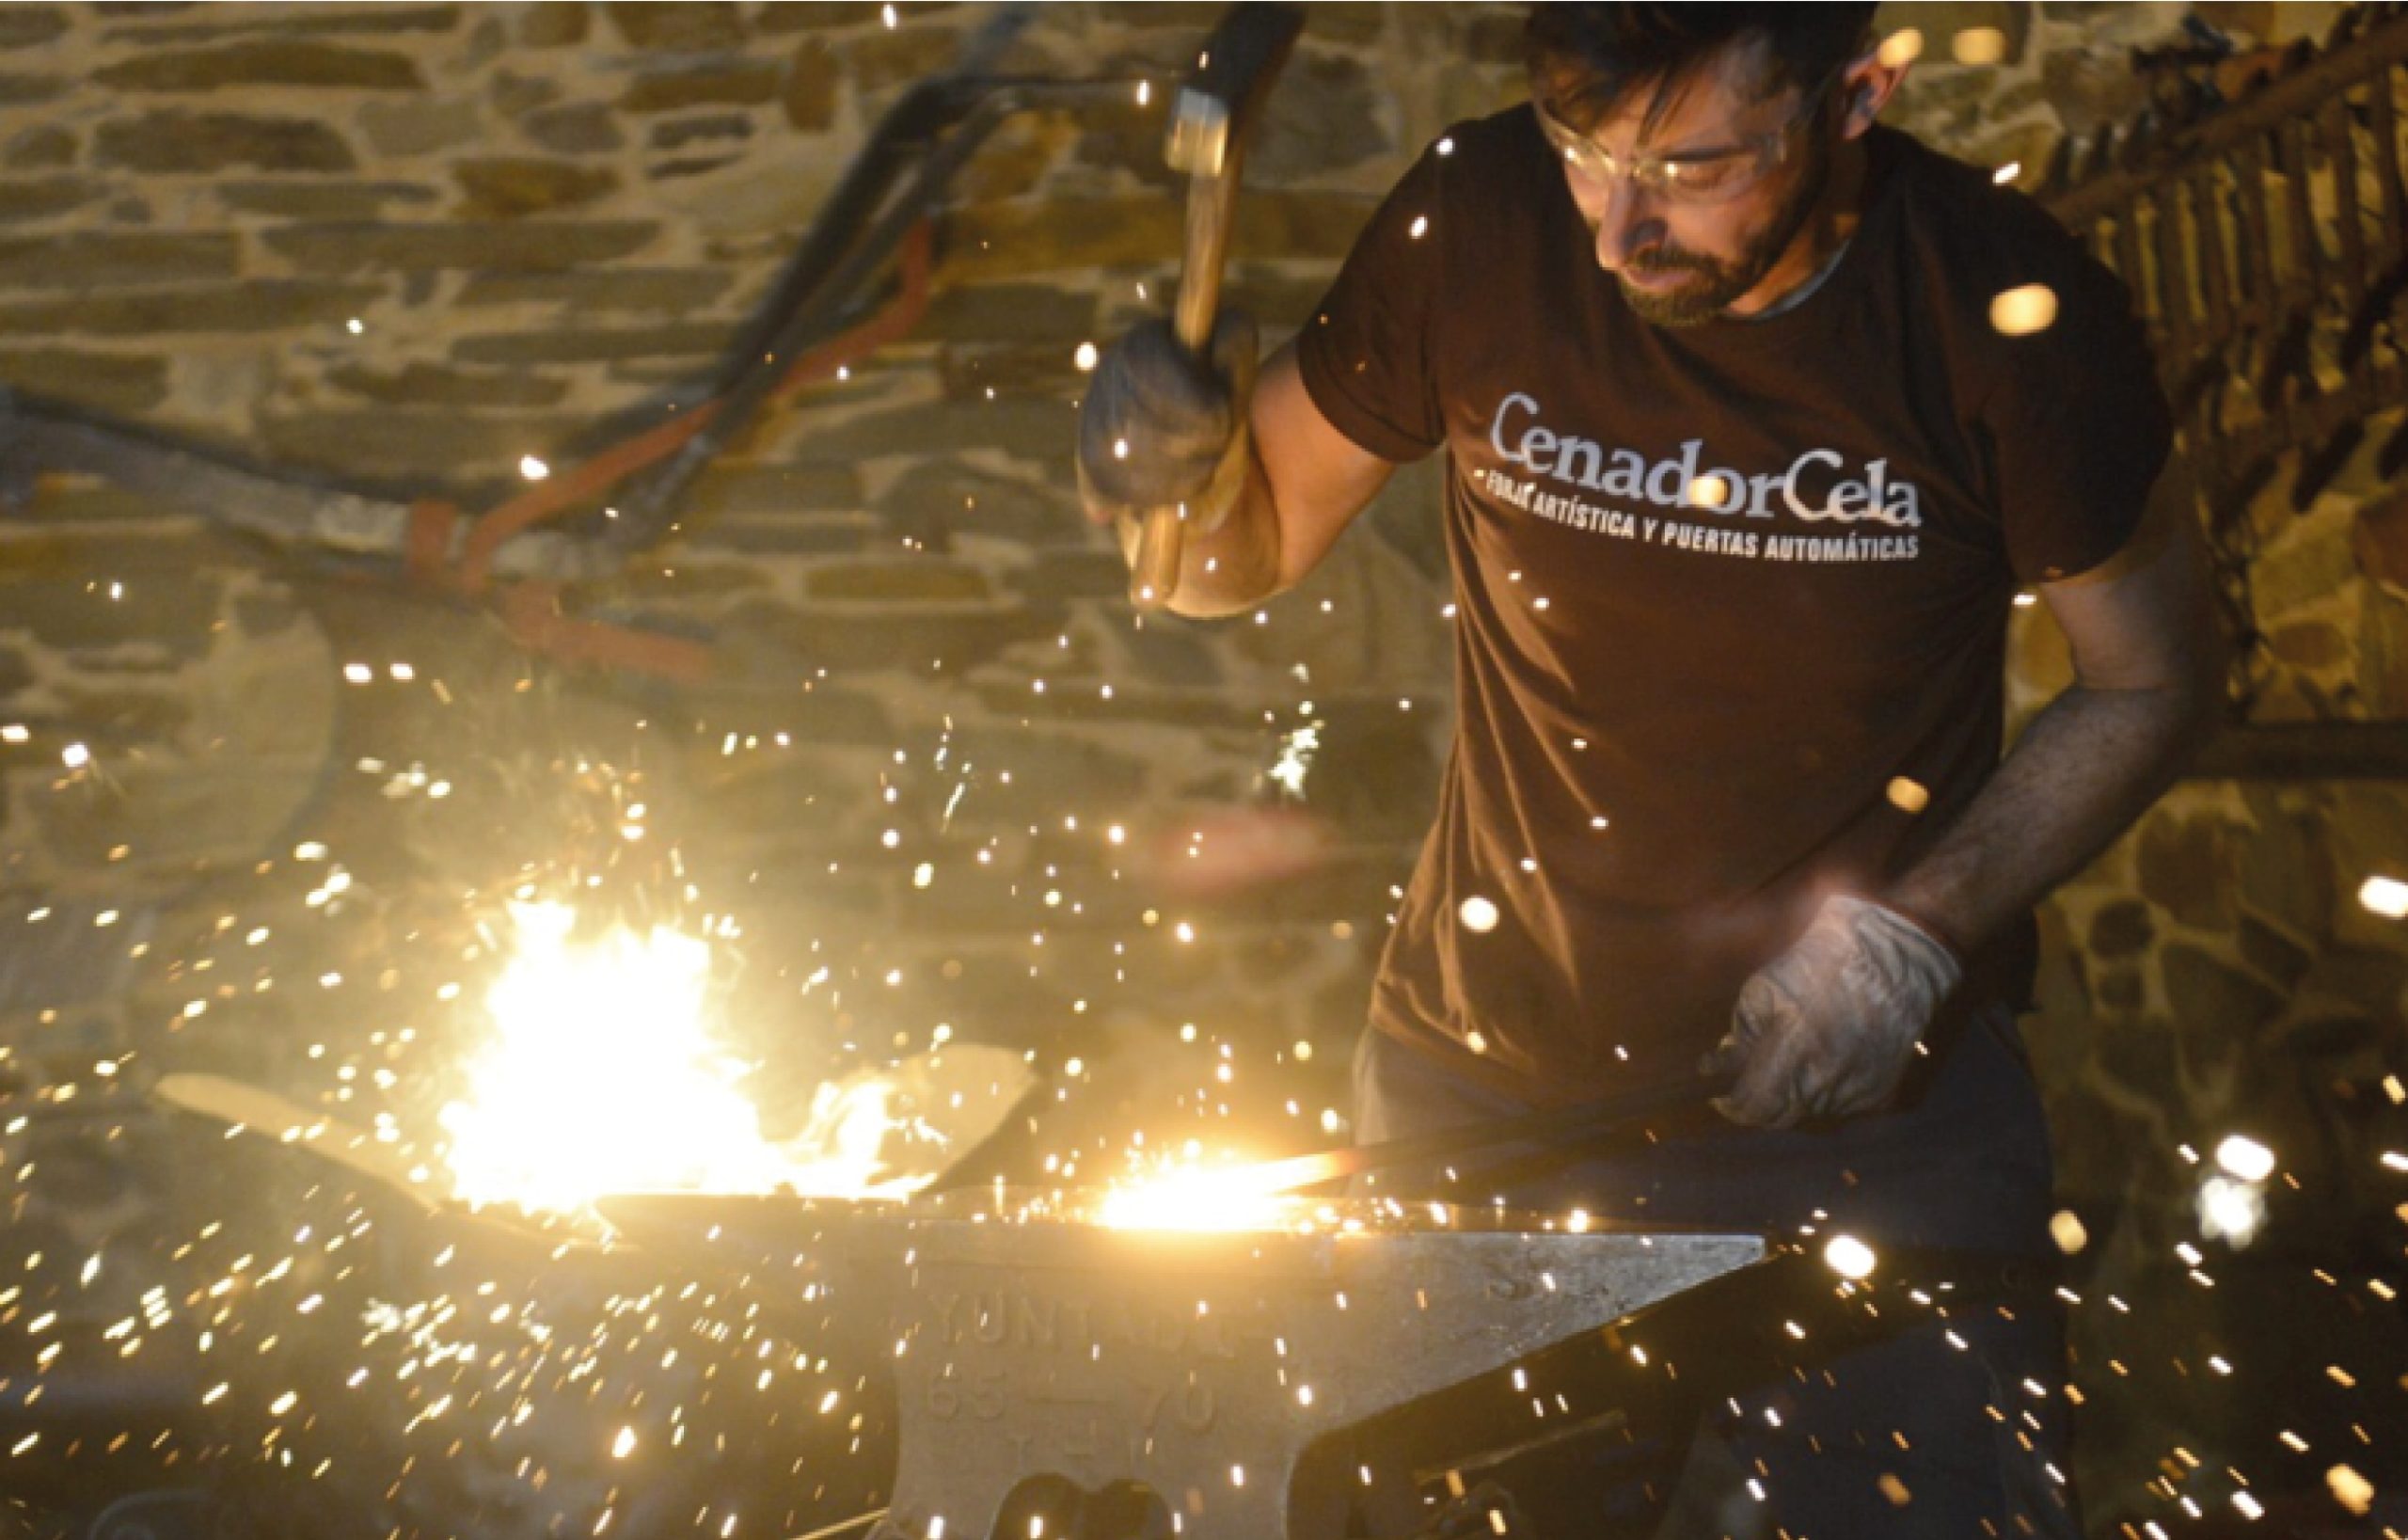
(1564, 1126)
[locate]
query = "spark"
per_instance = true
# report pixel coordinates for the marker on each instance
(1477, 915)
(75, 756)
(1295, 759)
(2384, 896)
(2022, 310)
(1850, 1257)
(2245, 1158)
(1084, 358)
(1978, 45)
(2350, 1489)
(2230, 1211)
(2008, 173)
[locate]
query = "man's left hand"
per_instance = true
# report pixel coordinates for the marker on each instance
(1826, 1028)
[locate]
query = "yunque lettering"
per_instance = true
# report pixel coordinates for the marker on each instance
(1814, 487)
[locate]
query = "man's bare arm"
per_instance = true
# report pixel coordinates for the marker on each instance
(1306, 482)
(2148, 660)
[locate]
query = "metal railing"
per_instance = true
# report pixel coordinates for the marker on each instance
(2258, 212)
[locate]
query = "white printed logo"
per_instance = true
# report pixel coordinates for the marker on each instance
(1678, 482)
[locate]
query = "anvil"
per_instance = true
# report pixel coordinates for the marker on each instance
(1060, 1378)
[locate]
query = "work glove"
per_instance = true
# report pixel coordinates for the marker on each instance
(1826, 1028)
(1159, 427)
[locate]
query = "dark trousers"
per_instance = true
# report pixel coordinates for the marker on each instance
(1952, 1427)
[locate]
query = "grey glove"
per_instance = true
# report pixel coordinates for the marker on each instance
(1826, 1028)
(1159, 427)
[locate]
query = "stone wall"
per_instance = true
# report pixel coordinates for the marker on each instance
(416, 244)
(939, 777)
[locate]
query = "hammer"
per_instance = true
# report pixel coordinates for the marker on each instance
(1214, 111)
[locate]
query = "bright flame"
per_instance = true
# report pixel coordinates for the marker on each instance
(1227, 1199)
(602, 1076)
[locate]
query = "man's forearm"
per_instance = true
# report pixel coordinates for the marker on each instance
(2088, 765)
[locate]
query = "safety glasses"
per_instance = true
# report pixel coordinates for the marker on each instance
(1689, 176)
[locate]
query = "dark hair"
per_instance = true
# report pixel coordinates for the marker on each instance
(1590, 57)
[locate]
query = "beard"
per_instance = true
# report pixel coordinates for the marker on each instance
(1714, 282)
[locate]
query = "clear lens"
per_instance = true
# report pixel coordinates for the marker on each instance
(1694, 181)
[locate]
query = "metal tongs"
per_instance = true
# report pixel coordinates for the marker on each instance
(1572, 1130)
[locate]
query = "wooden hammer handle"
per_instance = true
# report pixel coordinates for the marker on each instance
(1154, 572)
(1238, 62)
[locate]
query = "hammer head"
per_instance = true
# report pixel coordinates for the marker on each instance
(1234, 69)
(1199, 133)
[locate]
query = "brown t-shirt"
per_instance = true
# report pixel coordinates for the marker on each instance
(1730, 600)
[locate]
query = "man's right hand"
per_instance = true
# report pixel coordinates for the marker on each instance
(1159, 427)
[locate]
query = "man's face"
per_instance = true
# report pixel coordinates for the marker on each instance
(1680, 261)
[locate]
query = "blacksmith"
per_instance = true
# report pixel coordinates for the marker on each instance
(1758, 415)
